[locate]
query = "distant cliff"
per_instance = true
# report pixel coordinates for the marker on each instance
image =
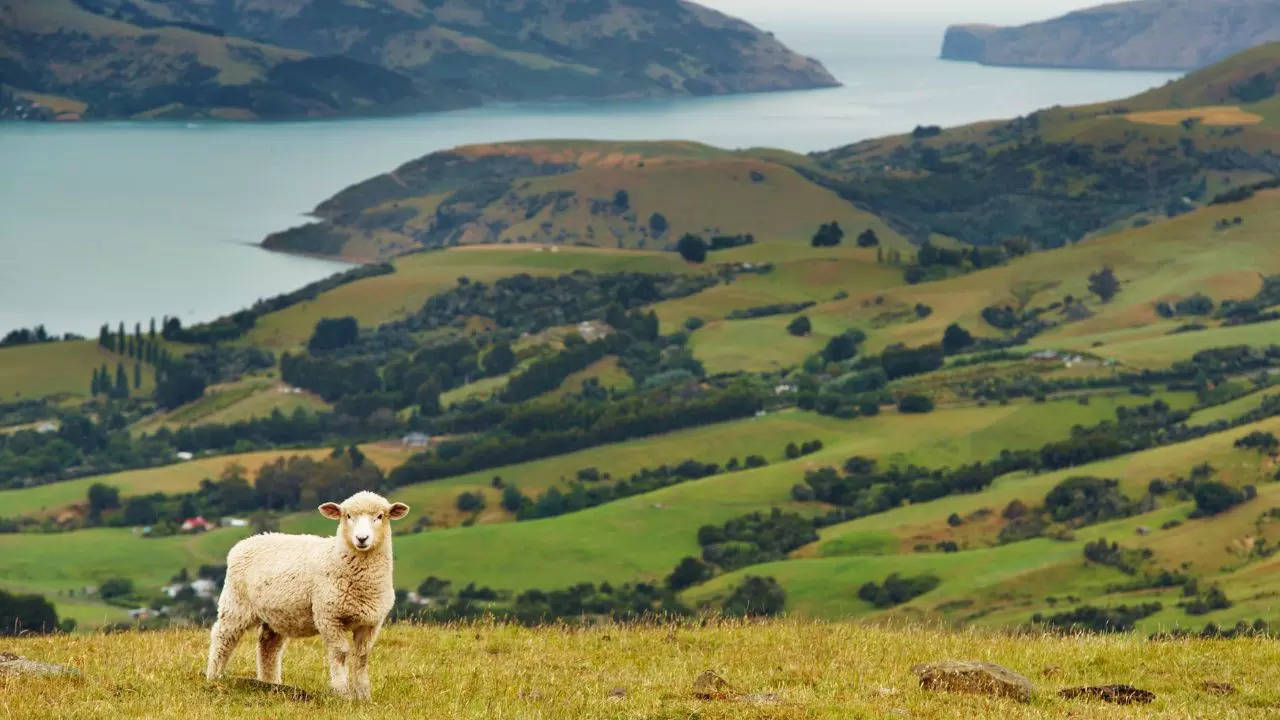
(1142, 35)
(247, 59)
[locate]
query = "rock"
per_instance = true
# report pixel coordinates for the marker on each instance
(257, 686)
(1214, 687)
(761, 698)
(618, 692)
(1143, 530)
(974, 677)
(11, 664)
(1118, 694)
(710, 686)
(1051, 671)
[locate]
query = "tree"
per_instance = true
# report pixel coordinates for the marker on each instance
(499, 359)
(756, 597)
(621, 201)
(115, 587)
(800, 326)
(429, 398)
(658, 225)
(23, 614)
(334, 333)
(102, 497)
(843, 346)
(1104, 284)
(1213, 497)
(692, 248)
(512, 499)
(955, 339)
(470, 502)
(688, 573)
(915, 404)
(120, 339)
(137, 375)
(867, 238)
(178, 384)
(828, 235)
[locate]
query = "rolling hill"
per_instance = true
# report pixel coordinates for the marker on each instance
(1031, 369)
(1048, 179)
(1138, 35)
(248, 60)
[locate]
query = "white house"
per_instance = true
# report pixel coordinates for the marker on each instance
(416, 440)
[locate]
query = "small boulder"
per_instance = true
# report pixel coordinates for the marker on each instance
(1118, 694)
(970, 676)
(11, 664)
(618, 692)
(1214, 687)
(710, 686)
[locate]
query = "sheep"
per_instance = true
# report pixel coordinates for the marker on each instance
(290, 586)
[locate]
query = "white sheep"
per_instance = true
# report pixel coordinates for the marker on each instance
(302, 585)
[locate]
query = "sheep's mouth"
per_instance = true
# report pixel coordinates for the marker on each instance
(363, 545)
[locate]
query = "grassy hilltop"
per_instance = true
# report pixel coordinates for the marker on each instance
(1019, 374)
(775, 669)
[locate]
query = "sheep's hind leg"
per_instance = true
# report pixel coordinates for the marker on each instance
(270, 653)
(223, 639)
(358, 663)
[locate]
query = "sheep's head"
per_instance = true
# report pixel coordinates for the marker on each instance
(364, 519)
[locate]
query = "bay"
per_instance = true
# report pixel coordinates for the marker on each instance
(124, 221)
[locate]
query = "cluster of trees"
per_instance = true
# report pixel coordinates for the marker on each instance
(583, 602)
(537, 430)
(1203, 601)
(863, 489)
(896, 589)
(31, 336)
(828, 235)
(755, 538)
(81, 446)
(1198, 304)
(580, 495)
(1088, 618)
(285, 485)
(694, 248)
(1259, 308)
(1263, 442)
(1125, 560)
(22, 614)
(767, 310)
(102, 384)
(548, 373)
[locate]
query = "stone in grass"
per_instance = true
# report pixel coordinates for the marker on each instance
(258, 686)
(710, 686)
(1117, 694)
(969, 676)
(11, 664)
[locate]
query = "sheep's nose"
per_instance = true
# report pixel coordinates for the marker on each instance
(362, 539)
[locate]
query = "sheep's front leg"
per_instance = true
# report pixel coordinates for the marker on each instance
(358, 661)
(337, 647)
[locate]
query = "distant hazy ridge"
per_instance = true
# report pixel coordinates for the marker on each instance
(1141, 35)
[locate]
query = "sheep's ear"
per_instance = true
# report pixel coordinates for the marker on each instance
(398, 510)
(331, 510)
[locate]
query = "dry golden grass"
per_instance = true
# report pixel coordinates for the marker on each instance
(1211, 115)
(781, 670)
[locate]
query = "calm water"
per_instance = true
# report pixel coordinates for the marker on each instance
(125, 221)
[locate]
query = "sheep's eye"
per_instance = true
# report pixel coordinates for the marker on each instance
(348, 517)
(379, 516)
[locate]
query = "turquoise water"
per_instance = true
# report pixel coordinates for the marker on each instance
(124, 221)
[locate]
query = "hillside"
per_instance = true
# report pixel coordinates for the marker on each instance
(235, 60)
(814, 670)
(1049, 179)
(985, 376)
(1138, 35)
